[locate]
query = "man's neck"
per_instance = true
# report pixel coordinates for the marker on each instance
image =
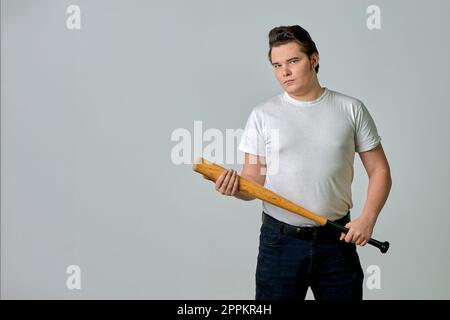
(311, 95)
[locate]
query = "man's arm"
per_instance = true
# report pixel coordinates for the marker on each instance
(254, 169)
(380, 183)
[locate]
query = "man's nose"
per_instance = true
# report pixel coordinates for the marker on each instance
(286, 71)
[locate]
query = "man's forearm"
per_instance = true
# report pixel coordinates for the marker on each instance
(379, 187)
(244, 196)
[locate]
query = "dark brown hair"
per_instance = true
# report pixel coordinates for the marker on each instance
(285, 34)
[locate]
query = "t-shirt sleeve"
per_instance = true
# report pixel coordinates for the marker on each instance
(366, 133)
(252, 140)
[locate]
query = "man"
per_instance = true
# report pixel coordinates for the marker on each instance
(301, 145)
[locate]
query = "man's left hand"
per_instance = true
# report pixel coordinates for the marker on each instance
(360, 231)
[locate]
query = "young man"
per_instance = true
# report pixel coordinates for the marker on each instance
(309, 160)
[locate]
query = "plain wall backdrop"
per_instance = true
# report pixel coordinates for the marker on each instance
(87, 116)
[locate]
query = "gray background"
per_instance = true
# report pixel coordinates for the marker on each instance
(87, 116)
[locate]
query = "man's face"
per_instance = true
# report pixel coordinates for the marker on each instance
(293, 68)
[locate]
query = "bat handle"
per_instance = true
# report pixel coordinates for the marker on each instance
(383, 246)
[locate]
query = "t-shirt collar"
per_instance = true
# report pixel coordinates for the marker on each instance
(311, 103)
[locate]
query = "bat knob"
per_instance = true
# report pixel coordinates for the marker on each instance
(384, 247)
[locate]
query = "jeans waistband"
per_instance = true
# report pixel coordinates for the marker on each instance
(306, 233)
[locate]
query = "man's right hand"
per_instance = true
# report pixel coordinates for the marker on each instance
(227, 183)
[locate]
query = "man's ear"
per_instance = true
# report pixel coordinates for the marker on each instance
(314, 58)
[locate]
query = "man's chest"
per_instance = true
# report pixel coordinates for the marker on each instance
(317, 133)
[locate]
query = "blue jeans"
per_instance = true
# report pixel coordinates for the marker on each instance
(288, 265)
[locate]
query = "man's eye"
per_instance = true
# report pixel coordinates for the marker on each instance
(294, 61)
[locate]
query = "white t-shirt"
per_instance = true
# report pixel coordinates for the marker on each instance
(309, 148)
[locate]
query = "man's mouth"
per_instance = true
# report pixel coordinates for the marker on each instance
(288, 82)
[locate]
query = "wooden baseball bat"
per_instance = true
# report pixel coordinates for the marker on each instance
(213, 171)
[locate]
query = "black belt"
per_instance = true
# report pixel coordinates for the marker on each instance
(306, 233)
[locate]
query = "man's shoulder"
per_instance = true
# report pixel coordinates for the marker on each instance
(344, 99)
(269, 104)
